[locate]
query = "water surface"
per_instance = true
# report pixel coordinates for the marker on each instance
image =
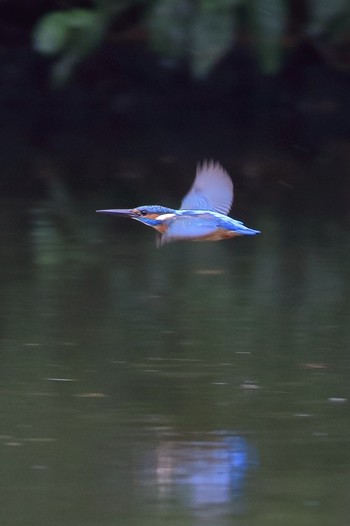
(196, 384)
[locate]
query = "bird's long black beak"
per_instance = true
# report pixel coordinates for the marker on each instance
(126, 212)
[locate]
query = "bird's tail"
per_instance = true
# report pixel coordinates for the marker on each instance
(250, 232)
(239, 228)
(244, 230)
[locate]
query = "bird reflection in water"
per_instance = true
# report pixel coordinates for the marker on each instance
(206, 476)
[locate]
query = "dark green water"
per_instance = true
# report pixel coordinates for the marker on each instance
(196, 384)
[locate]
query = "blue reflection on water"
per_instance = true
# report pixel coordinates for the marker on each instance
(204, 474)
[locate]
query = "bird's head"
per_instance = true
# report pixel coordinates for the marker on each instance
(147, 214)
(150, 212)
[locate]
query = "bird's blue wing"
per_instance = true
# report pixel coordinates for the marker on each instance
(212, 190)
(188, 227)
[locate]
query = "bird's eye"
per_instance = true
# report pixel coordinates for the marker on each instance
(143, 212)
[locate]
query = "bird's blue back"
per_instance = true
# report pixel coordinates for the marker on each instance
(190, 224)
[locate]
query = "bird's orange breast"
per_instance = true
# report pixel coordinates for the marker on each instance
(219, 234)
(161, 228)
(162, 217)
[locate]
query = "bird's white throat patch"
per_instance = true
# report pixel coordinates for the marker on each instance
(165, 217)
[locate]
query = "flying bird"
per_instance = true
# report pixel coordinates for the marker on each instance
(203, 212)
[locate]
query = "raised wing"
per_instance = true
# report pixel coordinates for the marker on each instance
(212, 190)
(189, 227)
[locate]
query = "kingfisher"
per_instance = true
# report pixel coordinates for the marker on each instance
(203, 214)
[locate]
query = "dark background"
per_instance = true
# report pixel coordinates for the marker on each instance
(127, 116)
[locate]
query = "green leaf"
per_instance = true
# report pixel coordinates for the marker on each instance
(50, 33)
(57, 31)
(324, 12)
(269, 20)
(71, 35)
(63, 68)
(212, 36)
(198, 31)
(81, 18)
(169, 24)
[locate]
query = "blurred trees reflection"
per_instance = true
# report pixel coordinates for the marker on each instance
(262, 86)
(198, 34)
